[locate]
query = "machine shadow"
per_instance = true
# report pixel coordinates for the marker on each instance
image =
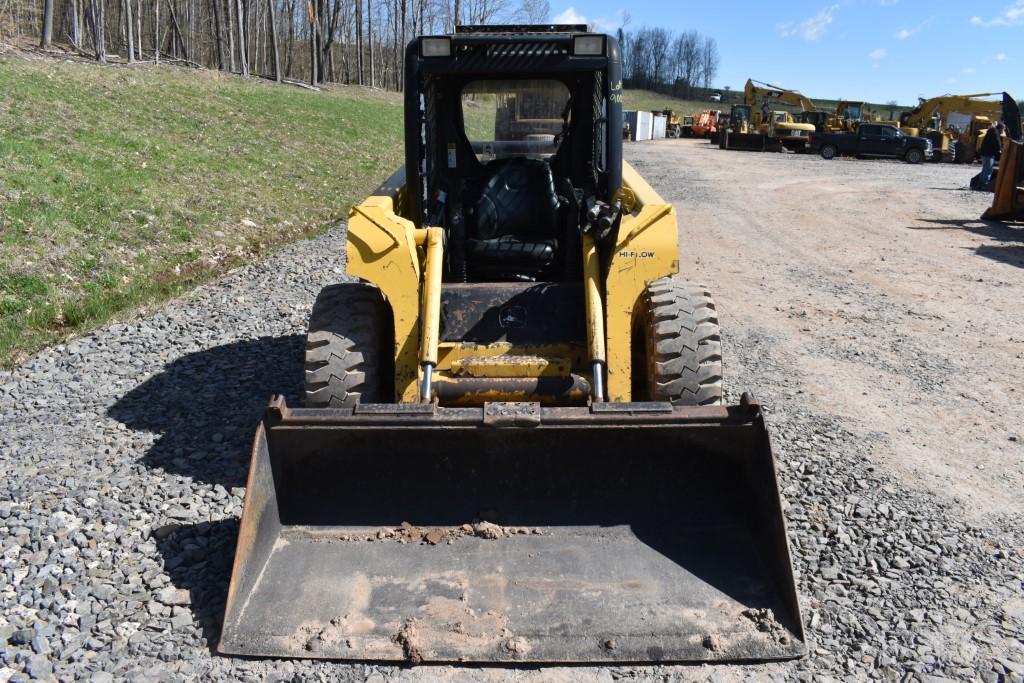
(1010, 254)
(996, 230)
(205, 406)
(198, 559)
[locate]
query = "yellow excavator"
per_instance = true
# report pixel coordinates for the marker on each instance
(779, 124)
(954, 123)
(513, 447)
(850, 114)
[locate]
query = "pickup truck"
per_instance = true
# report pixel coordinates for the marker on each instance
(872, 140)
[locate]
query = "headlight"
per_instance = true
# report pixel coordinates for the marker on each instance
(436, 47)
(588, 46)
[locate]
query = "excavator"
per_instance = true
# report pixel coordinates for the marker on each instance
(1008, 197)
(757, 117)
(850, 114)
(513, 447)
(954, 123)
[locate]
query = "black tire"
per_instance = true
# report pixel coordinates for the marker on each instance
(914, 156)
(829, 152)
(678, 345)
(348, 349)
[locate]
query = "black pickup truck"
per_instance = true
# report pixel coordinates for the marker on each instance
(872, 140)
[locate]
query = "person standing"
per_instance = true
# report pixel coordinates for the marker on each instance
(991, 146)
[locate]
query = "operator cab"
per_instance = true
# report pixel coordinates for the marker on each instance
(514, 147)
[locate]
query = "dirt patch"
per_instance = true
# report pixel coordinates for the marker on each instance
(408, 533)
(408, 638)
(765, 622)
(712, 642)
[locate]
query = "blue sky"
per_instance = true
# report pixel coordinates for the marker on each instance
(876, 50)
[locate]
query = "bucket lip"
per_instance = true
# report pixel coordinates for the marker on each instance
(521, 414)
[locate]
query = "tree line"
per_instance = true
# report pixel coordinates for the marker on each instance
(318, 41)
(321, 41)
(674, 64)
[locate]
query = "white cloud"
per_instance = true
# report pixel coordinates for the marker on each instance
(1011, 16)
(904, 33)
(951, 80)
(569, 16)
(1000, 57)
(811, 28)
(967, 70)
(885, 3)
(880, 53)
(602, 24)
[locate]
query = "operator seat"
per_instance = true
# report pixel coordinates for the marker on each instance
(513, 236)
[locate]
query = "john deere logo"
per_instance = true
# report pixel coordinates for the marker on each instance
(512, 316)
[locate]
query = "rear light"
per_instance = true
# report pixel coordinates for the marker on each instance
(810, 138)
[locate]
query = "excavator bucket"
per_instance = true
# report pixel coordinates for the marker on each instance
(1008, 200)
(512, 533)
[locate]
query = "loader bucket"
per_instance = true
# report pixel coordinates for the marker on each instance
(750, 142)
(513, 534)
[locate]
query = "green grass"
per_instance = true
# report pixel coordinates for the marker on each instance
(122, 187)
(645, 100)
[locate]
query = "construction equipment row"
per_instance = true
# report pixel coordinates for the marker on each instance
(766, 121)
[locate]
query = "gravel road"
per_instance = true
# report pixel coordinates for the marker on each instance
(861, 302)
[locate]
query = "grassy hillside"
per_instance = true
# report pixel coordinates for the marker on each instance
(120, 187)
(645, 100)
(651, 101)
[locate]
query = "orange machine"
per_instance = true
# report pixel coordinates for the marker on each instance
(706, 123)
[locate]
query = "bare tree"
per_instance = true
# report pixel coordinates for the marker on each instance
(658, 43)
(311, 16)
(359, 41)
(369, 39)
(138, 26)
(243, 60)
(690, 63)
(130, 29)
(709, 61)
(96, 22)
(217, 31)
(271, 4)
(535, 11)
(73, 22)
(47, 23)
(157, 42)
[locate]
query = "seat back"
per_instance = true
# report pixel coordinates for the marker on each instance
(518, 200)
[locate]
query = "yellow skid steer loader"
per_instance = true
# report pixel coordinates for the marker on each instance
(513, 447)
